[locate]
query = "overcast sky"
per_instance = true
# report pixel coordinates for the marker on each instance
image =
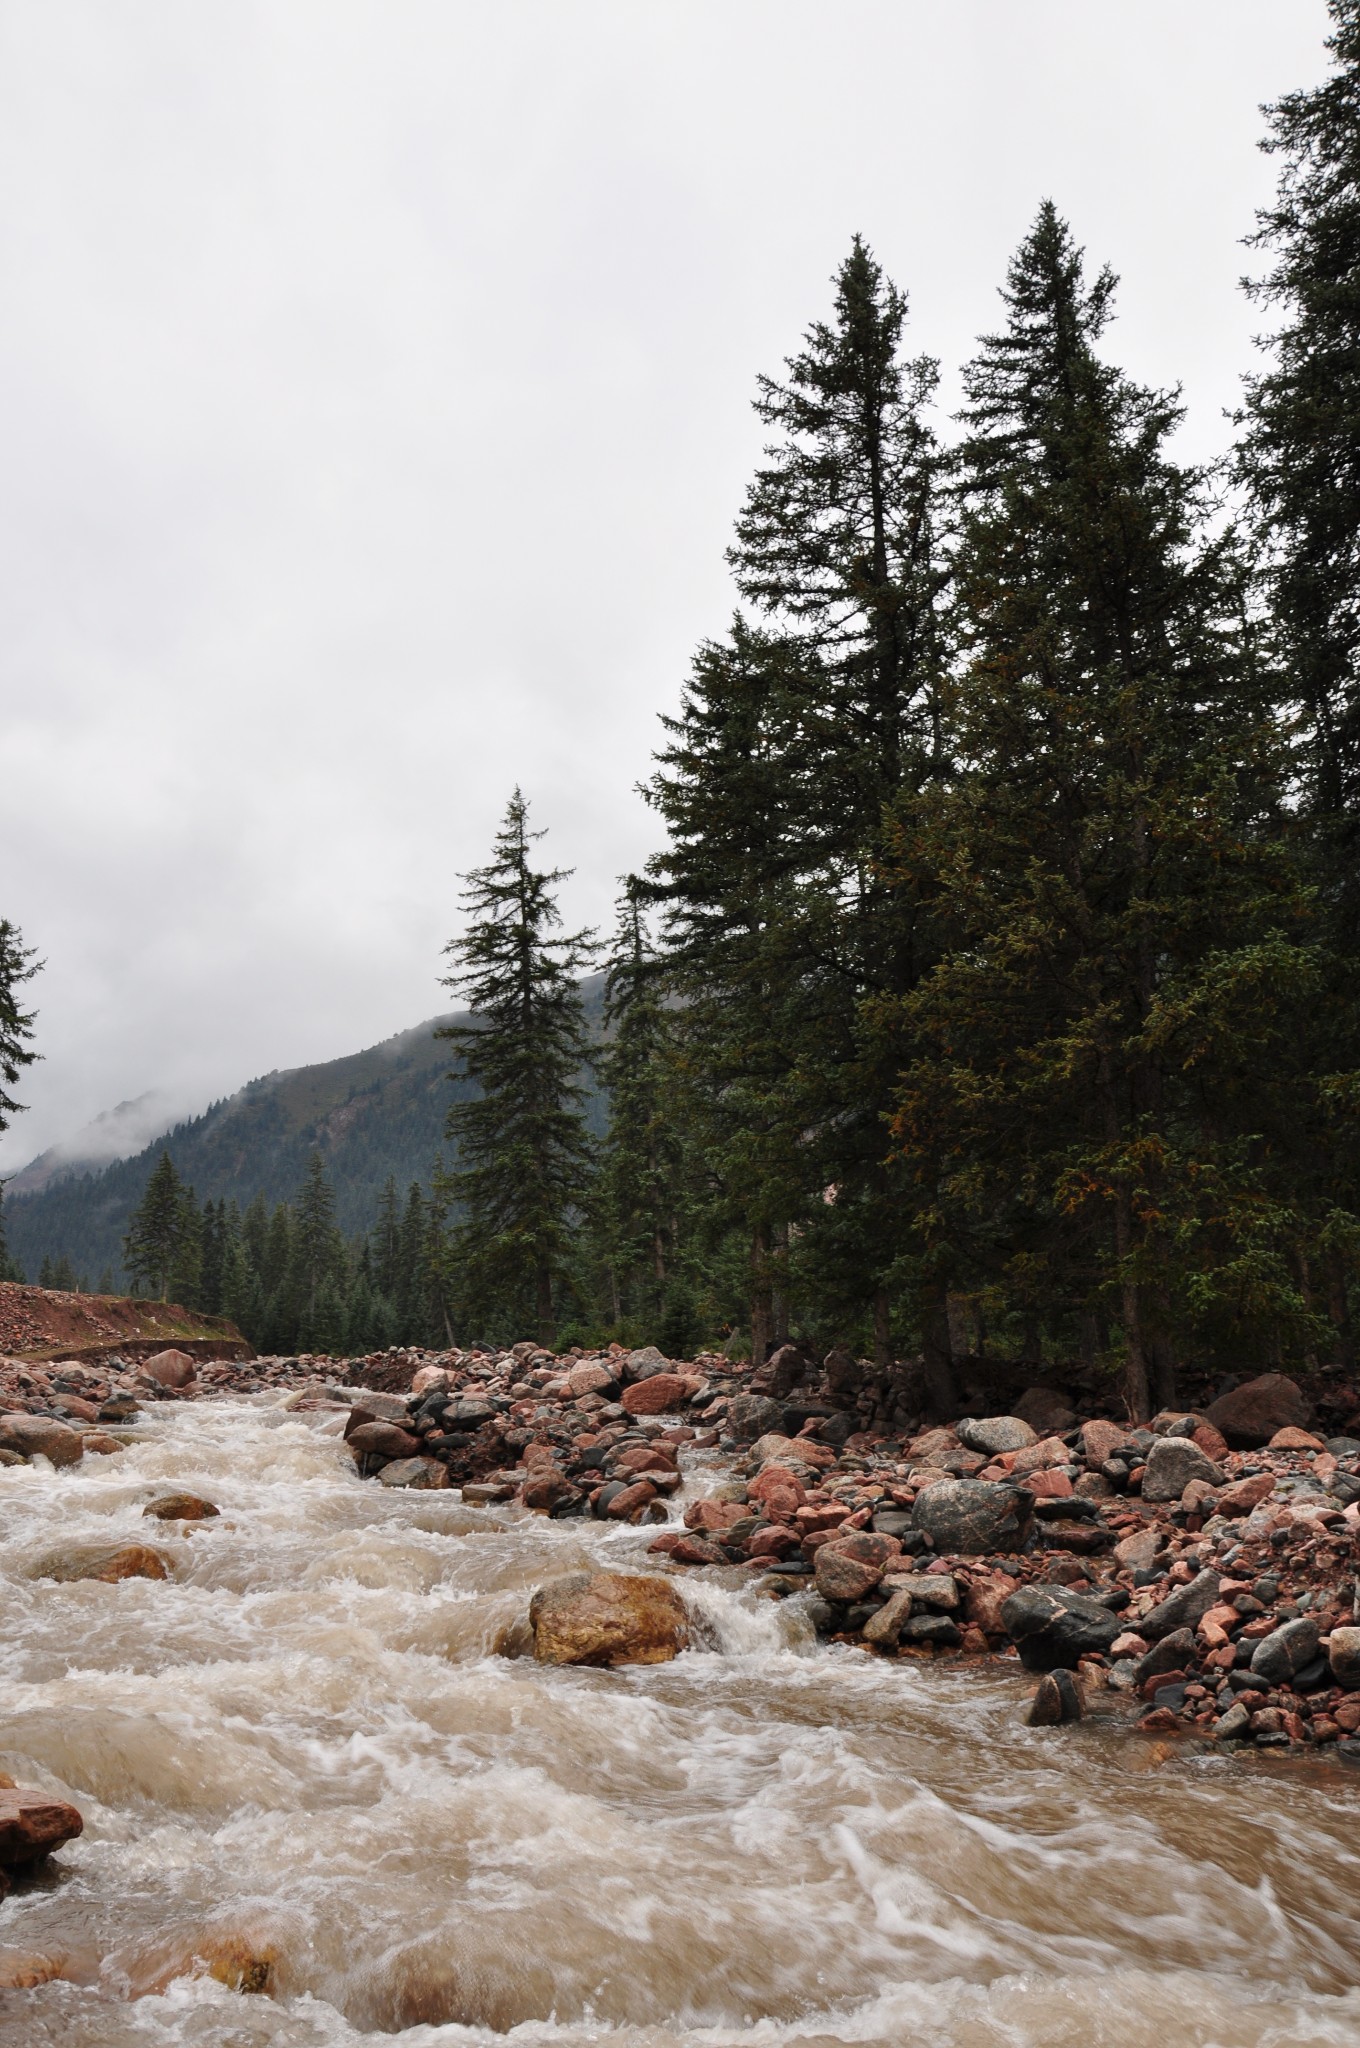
(375, 392)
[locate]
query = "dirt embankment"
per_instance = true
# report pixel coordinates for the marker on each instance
(40, 1322)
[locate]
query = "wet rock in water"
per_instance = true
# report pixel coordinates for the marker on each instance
(170, 1368)
(414, 1472)
(608, 1618)
(98, 1443)
(883, 1628)
(105, 1561)
(1172, 1463)
(481, 1493)
(1285, 1651)
(752, 1415)
(1057, 1698)
(842, 1577)
(119, 1408)
(180, 1507)
(657, 1393)
(383, 1440)
(1183, 1608)
(1053, 1627)
(974, 1517)
(1250, 1415)
(934, 1631)
(32, 1825)
(41, 1436)
(995, 1434)
(1344, 1657)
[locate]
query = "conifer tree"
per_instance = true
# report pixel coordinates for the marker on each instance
(9, 1266)
(794, 740)
(154, 1249)
(639, 1194)
(317, 1248)
(386, 1242)
(18, 964)
(1120, 910)
(524, 1157)
(1300, 453)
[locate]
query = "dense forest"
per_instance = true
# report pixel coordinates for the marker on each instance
(995, 988)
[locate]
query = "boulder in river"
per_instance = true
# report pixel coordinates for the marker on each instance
(974, 1517)
(1057, 1698)
(170, 1368)
(180, 1507)
(1054, 1627)
(608, 1618)
(107, 1561)
(1250, 1415)
(32, 1825)
(383, 1440)
(416, 1472)
(41, 1436)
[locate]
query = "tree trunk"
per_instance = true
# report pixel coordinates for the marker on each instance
(780, 1290)
(883, 1343)
(760, 1295)
(1339, 1307)
(941, 1393)
(543, 1292)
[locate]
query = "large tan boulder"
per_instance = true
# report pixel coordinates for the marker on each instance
(41, 1436)
(608, 1618)
(106, 1561)
(171, 1368)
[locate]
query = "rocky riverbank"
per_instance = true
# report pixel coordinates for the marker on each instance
(1203, 1568)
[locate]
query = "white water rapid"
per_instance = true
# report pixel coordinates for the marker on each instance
(301, 1759)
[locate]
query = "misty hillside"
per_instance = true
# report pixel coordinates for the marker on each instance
(370, 1114)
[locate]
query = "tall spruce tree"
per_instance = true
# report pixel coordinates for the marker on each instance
(1099, 1046)
(524, 1156)
(18, 964)
(639, 1194)
(796, 737)
(157, 1246)
(1300, 452)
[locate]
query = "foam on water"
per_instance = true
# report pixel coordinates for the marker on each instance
(303, 1757)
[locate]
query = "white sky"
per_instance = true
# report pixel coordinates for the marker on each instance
(374, 391)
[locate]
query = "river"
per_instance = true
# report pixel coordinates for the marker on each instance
(304, 1760)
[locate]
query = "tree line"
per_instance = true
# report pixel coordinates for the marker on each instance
(994, 991)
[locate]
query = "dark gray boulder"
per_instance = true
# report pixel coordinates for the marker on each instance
(1052, 1627)
(974, 1517)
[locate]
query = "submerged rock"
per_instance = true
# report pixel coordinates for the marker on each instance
(608, 1618)
(1057, 1698)
(106, 1561)
(180, 1507)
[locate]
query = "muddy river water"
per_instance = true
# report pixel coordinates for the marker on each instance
(303, 1765)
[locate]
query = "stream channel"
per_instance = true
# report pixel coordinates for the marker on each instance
(302, 1760)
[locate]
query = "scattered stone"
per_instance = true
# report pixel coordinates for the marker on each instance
(608, 1618)
(1285, 1651)
(1183, 1608)
(1172, 1463)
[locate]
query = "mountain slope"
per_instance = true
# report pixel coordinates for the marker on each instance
(370, 1114)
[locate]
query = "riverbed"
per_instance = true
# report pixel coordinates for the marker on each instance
(306, 1766)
